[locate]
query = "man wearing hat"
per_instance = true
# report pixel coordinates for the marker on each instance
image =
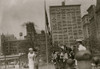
(80, 45)
(78, 48)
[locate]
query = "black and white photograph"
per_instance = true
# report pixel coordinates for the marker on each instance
(49, 34)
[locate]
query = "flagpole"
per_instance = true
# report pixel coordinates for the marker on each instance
(46, 45)
(46, 36)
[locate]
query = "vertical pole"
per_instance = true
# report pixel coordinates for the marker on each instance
(19, 61)
(46, 44)
(5, 61)
(5, 54)
(46, 36)
(64, 1)
(20, 34)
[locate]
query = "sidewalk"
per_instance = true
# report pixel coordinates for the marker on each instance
(50, 66)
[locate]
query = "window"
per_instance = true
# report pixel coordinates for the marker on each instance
(64, 21)
(55, 35)
(59, 28)
(69, 24)
(59, 22)
(69, 27)
(77, 12)
(71, 37)
(71, 41)
(75, 27)
(65, 30)
(63, 17)
(58, 12)
(64, 24)
(79, 27)
(55, 38)
(78, 19)
(54, 28)
(75, 33)
(80, 33)
(58, 15)
(60, 32)
(78, 23)
(70, 33)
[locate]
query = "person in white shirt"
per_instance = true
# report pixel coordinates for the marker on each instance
(80, 46)
(31, 57)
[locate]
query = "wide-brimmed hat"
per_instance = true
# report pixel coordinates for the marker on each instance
(78, 40)
(30, 49)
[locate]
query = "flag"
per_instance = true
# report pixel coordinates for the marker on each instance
(46, 19)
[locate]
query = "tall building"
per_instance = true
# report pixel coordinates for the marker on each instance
(98, 22)
(31, 32)
(98, 18)
(30, 29)
(66, 25)
(93, 28)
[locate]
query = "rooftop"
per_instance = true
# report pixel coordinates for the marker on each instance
(65, 5)
(90, 7)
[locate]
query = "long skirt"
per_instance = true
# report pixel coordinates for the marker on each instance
(31, 64)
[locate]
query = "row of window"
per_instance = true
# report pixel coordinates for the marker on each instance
(69, 33)
(66, 23)
(66, 20)
(65, 11)
(66, 15)
(65, 40)
(66, 28)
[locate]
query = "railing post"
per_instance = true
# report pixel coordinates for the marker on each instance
(5, 61)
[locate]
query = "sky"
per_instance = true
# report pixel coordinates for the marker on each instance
(15, 13)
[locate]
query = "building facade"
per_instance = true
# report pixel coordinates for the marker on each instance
(98, 22)
(86, 31)
(86, 22)
(14, 47)
(4, 43)
(93, 28)
(66, 25)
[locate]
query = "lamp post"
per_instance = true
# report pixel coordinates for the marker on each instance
(20, 34)
(20, 54)
(4, 45)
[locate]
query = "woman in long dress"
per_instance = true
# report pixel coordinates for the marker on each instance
(31, 57)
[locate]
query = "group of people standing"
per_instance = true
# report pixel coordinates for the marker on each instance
(62, 59)
(66, 56)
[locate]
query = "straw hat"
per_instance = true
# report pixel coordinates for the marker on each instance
(78, 40)
(30, 49)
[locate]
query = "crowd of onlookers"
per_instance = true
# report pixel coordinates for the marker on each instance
(64, 57)
(67, 57)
